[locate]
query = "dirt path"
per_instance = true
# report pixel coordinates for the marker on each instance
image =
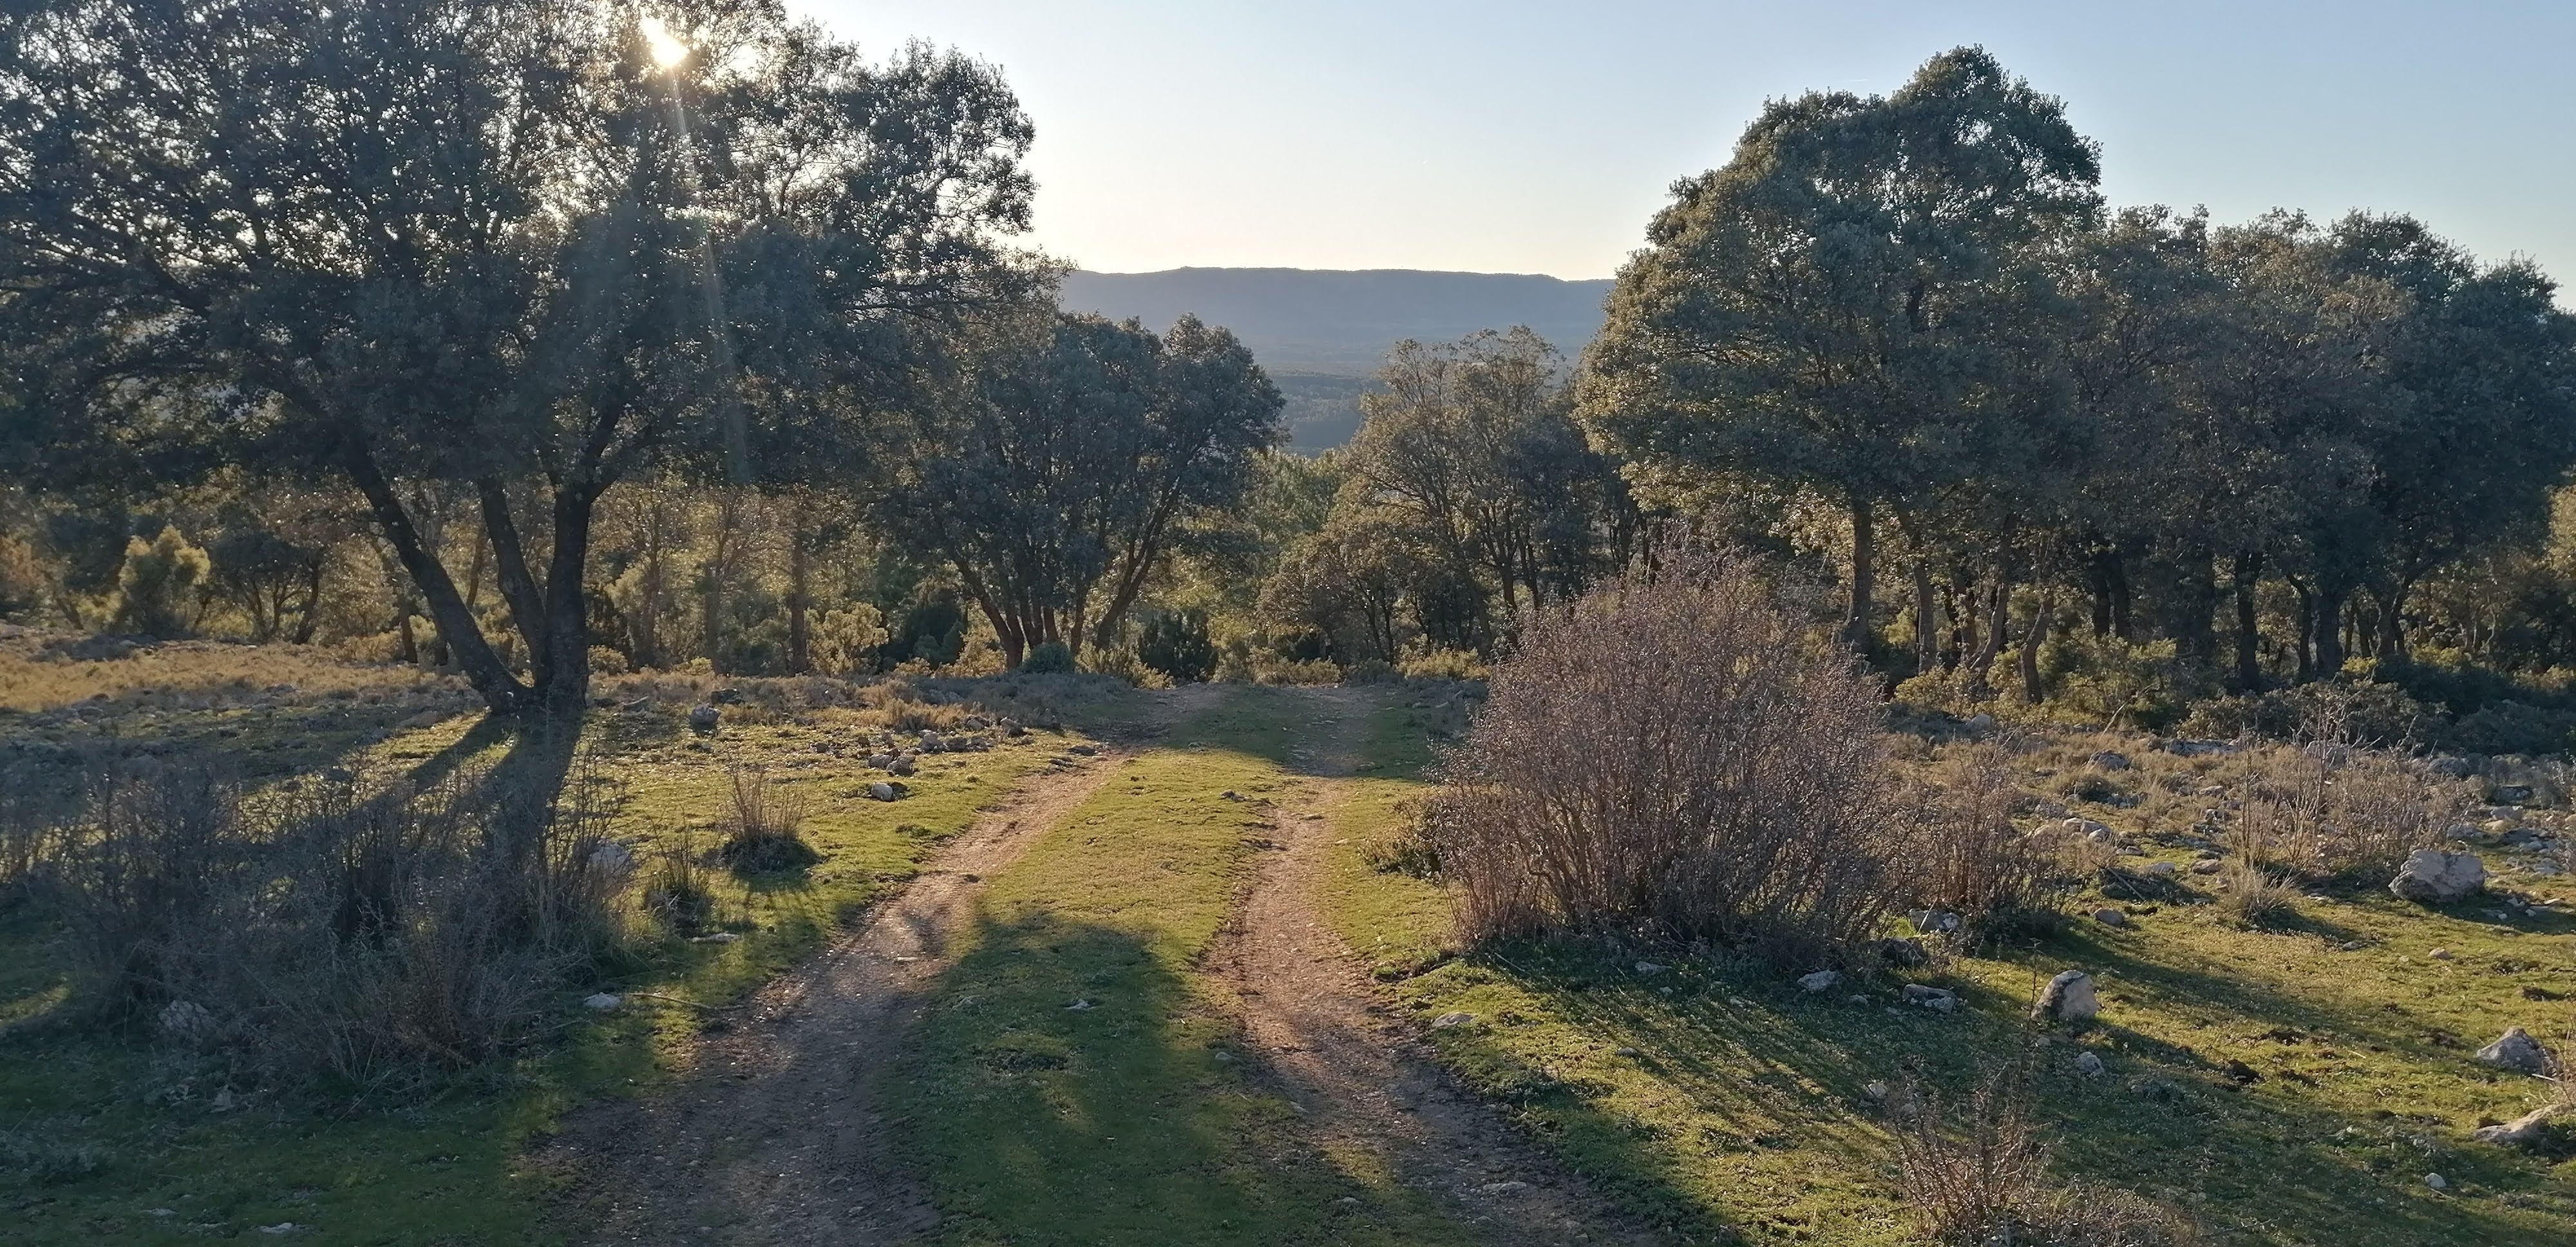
(1361, 1078)
(771, 1138)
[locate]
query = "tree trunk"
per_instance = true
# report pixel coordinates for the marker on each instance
(800, 631)
(719, 567)
(1927, 634)
(311, 619)
(2195, 633)
(2391, 600)
(2031, 640)
(1857, 629)
(462, 637)
(2329, 629)
(1998, 600)
(564, 687)
(2249, 658)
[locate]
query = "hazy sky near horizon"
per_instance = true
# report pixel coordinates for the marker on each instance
(1534, 137)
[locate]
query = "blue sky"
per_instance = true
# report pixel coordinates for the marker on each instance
(1539, 137)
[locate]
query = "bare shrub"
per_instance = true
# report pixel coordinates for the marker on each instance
(764, 831)
(1678, 753)
(2252, 895)
(373, 937)
(1979, 1176)
(1966, 856)
(2331, 811)
(677, 890)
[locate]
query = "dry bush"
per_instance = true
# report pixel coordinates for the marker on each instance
(2252, 895)
(1983, 1180)
(1966, 857)
(1676, 753)
(371, 937)
(2329, 811)
(677, 890)
(764, 830)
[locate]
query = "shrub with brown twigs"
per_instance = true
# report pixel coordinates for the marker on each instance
(1676, 753)
(374, 937)
(1976, 1174)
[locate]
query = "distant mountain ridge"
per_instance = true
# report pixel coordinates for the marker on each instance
(1316, 330)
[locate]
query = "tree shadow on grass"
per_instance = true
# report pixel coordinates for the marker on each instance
(1069, 1087)
(1750, 1058)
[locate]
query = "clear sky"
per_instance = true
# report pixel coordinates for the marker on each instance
(1517, 136)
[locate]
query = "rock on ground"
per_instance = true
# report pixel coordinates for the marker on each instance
(2524, 1131)
(2068, 998)
(2434, 875)
(2516, 1050)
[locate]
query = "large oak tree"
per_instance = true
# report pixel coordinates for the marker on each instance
(521, 248)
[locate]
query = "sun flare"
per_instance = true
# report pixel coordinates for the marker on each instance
(667, 48)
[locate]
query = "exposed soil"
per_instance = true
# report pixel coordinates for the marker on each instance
(1360, 1077)
(771, 1138)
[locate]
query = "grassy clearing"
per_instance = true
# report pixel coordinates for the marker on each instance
(1720, 1101)
(1137, 1116)
(103, 1139)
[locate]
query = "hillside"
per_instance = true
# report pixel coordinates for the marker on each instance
(1315, 331)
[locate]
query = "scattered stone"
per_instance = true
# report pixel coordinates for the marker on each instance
(703, 719)
(603, 1001)
(2513, 794)
(2110, 917)
(2437, 1182)
(1447, 1020)
(1980, 723)
(1231, 795)
(2161, 868)
(613, 859)
(2524, 1131)
(1938, 1000)
(2453, 768)
(1011, 727)
(1875, 1090)
(1860, 999)
(2440, 954)
(187, 1021)
(1906, 953)
(1084, 750)
(1649, 967)
(2068, 998)
(282, 1227)
(2088, 1065)
(1618, 1051)
(884, 791)
(2516, 1050)
(2208, 866)
(1081, 1006)
(2240, 1073)
(2109, 761)
(902, 765)
(2197, 748)
(2433, 875)
(881, 761)
(720, 937)
(1933, 921)
(1501, 1188)
(932, 742)
(1821, 980)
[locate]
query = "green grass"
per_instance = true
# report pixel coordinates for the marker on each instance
(102, 1140)
(1136, 1119)
(1737, 1106)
